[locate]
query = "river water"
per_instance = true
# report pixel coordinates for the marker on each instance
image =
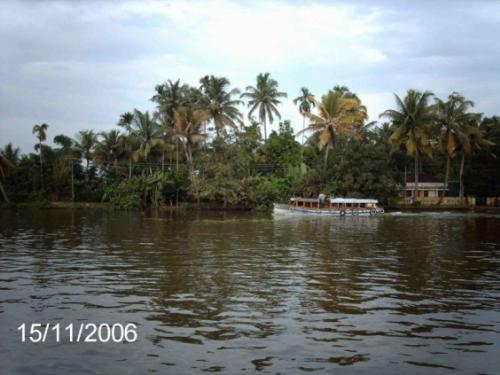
(243, 293)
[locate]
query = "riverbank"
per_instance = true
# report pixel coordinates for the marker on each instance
(476, 209)
(210, 206)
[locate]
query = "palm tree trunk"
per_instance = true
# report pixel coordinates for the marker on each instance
(163, 160)
(447, 176)
(462, 163)
(303, 128)
(406, 184)
(4, 194)
(416, 174)
(265, 130)
(130, 167)
(189, 157)
(176, 154)
(326, 155)
(41, 164)
(194, 178)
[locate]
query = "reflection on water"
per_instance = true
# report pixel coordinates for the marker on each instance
(239, 293)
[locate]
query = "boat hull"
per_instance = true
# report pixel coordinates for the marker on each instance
(285, 209)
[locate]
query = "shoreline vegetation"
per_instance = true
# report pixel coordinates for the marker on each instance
(193, 206)
(196, 149)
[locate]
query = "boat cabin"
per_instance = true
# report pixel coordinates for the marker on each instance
(334, 204)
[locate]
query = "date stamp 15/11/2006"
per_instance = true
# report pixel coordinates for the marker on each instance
(83, 332)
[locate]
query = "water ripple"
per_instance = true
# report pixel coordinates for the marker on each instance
(219, 292)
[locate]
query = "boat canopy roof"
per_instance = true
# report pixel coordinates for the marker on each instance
(352, 200)
(304, 199)
(336, 200)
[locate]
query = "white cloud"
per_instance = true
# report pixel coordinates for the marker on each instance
(80, 64)
(265, 33)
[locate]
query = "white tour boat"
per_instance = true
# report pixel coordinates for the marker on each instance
(331, 206)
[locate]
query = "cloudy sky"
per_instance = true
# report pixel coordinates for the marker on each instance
(80, 64)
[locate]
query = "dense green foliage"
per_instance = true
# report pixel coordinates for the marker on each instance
(148, 190)
(195, 147)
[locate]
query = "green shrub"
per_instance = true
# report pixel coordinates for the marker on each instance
(125, 195)
(148, 191)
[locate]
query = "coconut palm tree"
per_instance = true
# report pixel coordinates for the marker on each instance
(218, 101)
(146, 131)
(40, 130)
(471, 138)
(305, 102)
(65, 142)
(171, 96)
(452, 118)
(131, 147)
(126, 120)
(168, 141)
(9, 156)
(412, 124)
(11, 153)
(85, 143)
(189, 125)
(337, 115)
(130, 142)
(264, 98)
(109, 148)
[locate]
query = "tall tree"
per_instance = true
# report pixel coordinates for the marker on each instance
(130, 143)
(40, 130)
(170, 97)
(85, 142)
(11, 153)
(337, 115)
(168, 141)
(218, 101)
(264, 98)
(146, 131)
(109, 148)
(482, 176)
(305, 102)
(64, 141)
(452, 118)
(472, 138)
(189, 129)
(412, 124)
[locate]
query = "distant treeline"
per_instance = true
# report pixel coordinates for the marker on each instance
(197, 147)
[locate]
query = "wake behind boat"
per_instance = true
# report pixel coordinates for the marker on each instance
(331, 206)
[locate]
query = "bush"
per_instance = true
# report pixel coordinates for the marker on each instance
(267, 192)
(144, 191)
(175, 185)
(88, 191)
(125, 195)
(38, 199)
